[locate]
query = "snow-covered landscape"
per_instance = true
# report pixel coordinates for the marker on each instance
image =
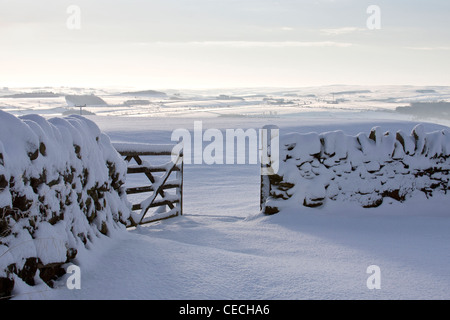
(223, 247)
(251, 151)
(323, 101)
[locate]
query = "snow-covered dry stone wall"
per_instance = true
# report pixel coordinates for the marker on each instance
(318, 168)
(61, 186)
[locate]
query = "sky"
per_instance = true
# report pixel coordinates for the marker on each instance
(163, 44)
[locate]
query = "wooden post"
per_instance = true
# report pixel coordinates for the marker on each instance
(81, 110)
(180, 173)
(266, 135)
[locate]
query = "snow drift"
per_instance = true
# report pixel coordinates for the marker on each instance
(316, 168)
(61, 186)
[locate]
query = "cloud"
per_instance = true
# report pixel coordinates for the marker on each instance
(255, 44)
(343, 30)
(440, 48)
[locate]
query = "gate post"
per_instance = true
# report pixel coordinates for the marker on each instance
(180, 176)
(269, 154)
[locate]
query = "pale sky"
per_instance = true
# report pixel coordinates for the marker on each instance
(157, 44)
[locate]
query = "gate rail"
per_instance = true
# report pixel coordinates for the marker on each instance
(158, 184)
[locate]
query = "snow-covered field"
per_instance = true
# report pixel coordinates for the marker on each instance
(222, 248)
(325, 101)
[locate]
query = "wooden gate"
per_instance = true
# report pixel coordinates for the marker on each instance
(158, 185)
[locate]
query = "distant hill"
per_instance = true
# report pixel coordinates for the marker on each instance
(351, 92)
(137, 103)
(427, 109)
(426, 91)
(87, 100)
(227, 97)
(147, 93)
(43, 94)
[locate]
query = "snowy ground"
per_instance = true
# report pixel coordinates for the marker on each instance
(221, 248)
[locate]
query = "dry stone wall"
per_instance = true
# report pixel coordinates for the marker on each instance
(61, 186)
(318, 168)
